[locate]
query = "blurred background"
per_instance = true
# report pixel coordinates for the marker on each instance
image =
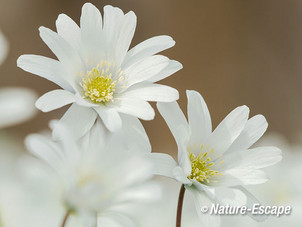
(234, 52)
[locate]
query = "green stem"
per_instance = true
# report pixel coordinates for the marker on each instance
(179, 205)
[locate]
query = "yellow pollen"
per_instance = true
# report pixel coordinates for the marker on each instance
(97, 84)
(202, 167)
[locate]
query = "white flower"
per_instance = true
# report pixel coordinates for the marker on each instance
(16, 104)
(97, 176)
(96, 71)
(215, 165)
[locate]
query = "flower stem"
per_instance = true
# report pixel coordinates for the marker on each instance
(65, 219)
(179, 205)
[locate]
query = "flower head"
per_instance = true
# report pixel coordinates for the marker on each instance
(97, 72)
(98, 174)
(214, 165)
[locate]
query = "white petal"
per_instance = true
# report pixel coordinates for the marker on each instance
(181, 176)
(163, 164)
(183, 159)
(95, 140)
(255, 158)
(229, 196)
(110, 117)
(136, 107)
(64, 133)
(227, 131)
(63, 50)
(147, 48)
(245, 177)
(200, 200)
(45, 150)
(199, 118)
(44, 67)
(69, 30)
(133, 134)
(146, 69)
(126, 32)
(251, 200)
(83, 102)
(78, 119)
(253, 130)
(112, 18)
(3, 48)
(16, 105)
(54, 99)
(171, 68)
(175, 120)
(91, 32)
(222, 195)
(152, 92)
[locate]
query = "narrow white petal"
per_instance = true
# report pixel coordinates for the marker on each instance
(91, 32)
(63, 50)
(146, 69)
(227, 131)
(147, 48)
(78, 119)
(171, 68)
(16, 105)
(54, 99)
(126, 32)
(163, 164)
(136, 107)
(110, 117)
(199, 118)
(44, 67)
(253, 130)
(69, 30)
(255, 158)
(175, 120)
(152, 92)
(112, 18)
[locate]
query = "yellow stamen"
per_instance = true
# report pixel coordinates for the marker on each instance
(98, 85)
(202, 166)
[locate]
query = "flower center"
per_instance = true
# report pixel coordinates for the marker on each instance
(202, 167)
(98, 85)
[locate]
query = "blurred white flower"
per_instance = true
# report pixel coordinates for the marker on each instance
(284, 188)
(16, 105)
(3, 48)
(96, 71)
(98, 175)
(215, 165)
